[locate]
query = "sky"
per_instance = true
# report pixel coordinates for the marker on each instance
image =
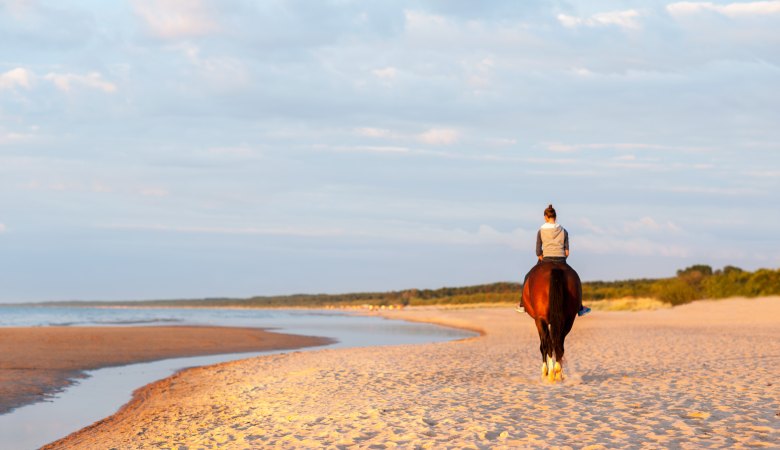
(157, 149)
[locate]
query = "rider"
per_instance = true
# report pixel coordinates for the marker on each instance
(552, 244)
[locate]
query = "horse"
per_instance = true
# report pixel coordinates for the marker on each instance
(552, 295)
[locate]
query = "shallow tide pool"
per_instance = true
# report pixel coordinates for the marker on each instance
(105, 390)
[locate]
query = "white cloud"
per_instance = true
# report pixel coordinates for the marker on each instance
(241, 151)
(374, 132)
(439, 136)
(714, 190)
(480, 72)
(501, 141)
(732, 10)
(172, 19)
(648, 224)
(423, 21)
(13, 138)
(559, 147)
(21, 77)
(18, 77)
(484, 235)
(582, 72)
(225, 73)
(624, 19)
(638, 246)
(63, 187)
(763, 173)
(632, 228)
(19, 9)
(100, 187)
(364, 148)
(278, 231)
(153, 192)
(94, 80)
(387, 73)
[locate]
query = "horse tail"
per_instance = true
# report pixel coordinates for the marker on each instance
(556, 315)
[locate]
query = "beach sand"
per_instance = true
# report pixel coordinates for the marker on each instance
(696, 376)
(36, 362)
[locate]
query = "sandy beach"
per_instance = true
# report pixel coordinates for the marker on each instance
(38, 361)
(704, 375)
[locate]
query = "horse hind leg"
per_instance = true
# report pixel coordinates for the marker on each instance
(559, 348)
(545, 346)
(556, 369)
(549, 356)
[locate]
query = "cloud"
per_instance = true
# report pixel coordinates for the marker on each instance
(648, 224)
(624, 19)
(241, 151)
(424, 21)
(364, 148)
(715, 190)
(280, 231)
(439, 136)
(93, 80)
(224, 73)
(2, 227)
(501, 142)
(632, 228)
(639, 246)
(732, 10)
(18, 7)
(484, 235)
(25, 78)
(153, 192)
(13, 138)
(18, 77)
(559, 147)
(388, 73)
(171, 19)
(764, 173)
(374, 132)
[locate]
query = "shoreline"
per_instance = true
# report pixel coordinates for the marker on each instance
(39, 362)
(484, 391)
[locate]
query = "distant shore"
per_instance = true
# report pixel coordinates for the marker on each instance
(695, 376)
(36, 362)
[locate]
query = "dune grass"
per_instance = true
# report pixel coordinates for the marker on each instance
(627, 304)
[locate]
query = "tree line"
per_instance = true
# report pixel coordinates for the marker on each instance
(692, 283)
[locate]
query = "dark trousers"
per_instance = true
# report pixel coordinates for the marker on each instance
(554, 259)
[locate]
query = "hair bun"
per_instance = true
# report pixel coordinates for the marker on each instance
(550, 206)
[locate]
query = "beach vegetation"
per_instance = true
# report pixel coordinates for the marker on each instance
(689, 284)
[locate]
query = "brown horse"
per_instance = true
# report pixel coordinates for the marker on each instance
(552, 294)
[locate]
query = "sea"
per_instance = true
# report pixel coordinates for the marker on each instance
(105, 390)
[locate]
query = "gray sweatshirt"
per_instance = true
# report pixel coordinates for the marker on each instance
(552, 240)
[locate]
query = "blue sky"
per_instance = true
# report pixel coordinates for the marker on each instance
(194, 148)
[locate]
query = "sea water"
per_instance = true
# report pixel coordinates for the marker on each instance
(105, 390)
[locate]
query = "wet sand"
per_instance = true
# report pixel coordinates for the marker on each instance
(697, 376)
(36, 362)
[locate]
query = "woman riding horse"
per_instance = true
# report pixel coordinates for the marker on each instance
(552, 294)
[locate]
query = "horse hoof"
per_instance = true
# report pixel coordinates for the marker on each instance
(558, 376)
(544, 369)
